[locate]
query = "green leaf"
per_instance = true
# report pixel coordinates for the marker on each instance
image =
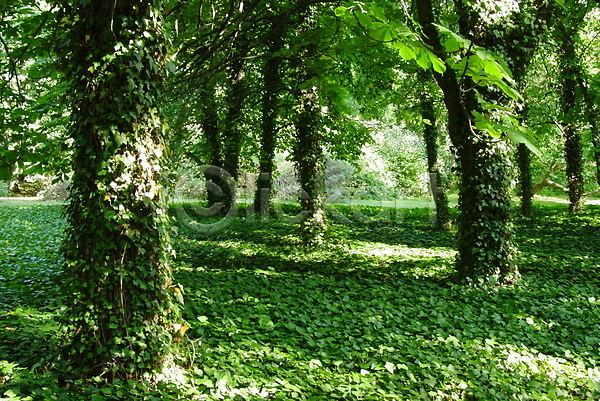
(341, 11)
(406, 51)
(364, 19)
(5, 173)
(508, 90)
(438, 65)
(523, 136)
(379, 14)
(493, 69)
(171, 66)
(381, 32)
(423, 59)
(451, 45)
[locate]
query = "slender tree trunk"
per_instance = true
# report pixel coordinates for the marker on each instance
(117, 279)
(525, 184)
(484, 227)
(210, 127)
(430, 133)
(272, 83)
(591, 111)
(232, 126)
(573, 150)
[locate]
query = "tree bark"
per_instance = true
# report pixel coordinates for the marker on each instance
(117, 279)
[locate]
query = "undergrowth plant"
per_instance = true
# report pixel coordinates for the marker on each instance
(372, 316)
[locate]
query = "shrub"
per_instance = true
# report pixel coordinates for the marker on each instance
(56, 192)
(4, 189)
(27, 186)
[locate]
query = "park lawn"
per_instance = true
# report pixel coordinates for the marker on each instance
(371, 316)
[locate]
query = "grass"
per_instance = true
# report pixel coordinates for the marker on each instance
(368, 317)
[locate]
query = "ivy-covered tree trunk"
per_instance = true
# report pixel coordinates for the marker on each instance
(430, 133)
(310, 164)
(485, 248)
(573, 149)
(308, 153)
(517, 40)
(272, 86)
(122, 312)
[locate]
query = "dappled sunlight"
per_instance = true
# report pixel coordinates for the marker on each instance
(368, 337)
(369, 317)
(404, 252)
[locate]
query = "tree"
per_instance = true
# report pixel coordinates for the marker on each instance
(430, 135)
(484, 228)
(272, 87)
(122, 315)
(516, 37)
(308, 153)
(576, 100)
(32, 114)
(566, 37)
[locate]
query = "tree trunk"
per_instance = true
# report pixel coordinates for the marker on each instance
(117, 279)
(232, 130)
(272, 83)
(525, 184)
(310, 163)
(309, 154)
(210, 127)
(430, 134)
(485, 248)
(573, 150)
(590, 109)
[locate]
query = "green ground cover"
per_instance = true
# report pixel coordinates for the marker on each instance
(371, 316)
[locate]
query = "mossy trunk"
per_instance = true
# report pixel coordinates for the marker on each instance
(591, 111)
(122, 314)
(308, 153)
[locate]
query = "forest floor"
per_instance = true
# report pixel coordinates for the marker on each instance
(370, 316)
